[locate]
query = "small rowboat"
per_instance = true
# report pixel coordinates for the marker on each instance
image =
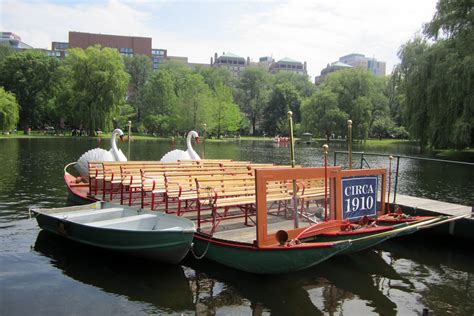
(142, 233)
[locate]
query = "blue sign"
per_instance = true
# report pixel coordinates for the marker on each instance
(359, 197)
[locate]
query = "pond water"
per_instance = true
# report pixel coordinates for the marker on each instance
(42, 274)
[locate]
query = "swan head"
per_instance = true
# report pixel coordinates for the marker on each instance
(119, 132)
(195, 135)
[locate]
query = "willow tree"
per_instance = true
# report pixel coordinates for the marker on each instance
(9, 111)
(98, 84)
(437, 73)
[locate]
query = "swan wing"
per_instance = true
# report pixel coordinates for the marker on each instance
(96, 154)
(175, 155)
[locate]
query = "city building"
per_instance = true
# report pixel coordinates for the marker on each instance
(359, 60)
(335, 66)
(158, 56)
(234, 63)
(13, 40)
(350, 61)
(126, 45)
(288, 64)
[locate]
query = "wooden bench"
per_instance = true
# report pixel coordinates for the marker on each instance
(96, 176)
(238, 193)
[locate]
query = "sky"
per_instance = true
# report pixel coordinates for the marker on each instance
(315, 31)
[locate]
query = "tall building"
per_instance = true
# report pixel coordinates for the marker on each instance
(13, 40)
(359, 60)
(350, 61)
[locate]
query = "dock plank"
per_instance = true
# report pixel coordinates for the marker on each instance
(433, 205)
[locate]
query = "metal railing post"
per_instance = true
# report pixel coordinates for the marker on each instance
(362, 161)
(396, 180)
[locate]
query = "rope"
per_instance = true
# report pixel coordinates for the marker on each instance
(209, 191)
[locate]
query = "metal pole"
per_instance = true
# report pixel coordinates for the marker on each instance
(335, 158)
(204, 141)
(129, 136)
(389, 182)
(349, 142)
(292, 154)
(325, 151)
(362, 161)
(396, 181)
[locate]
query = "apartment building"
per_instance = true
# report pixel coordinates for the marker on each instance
(13, 40)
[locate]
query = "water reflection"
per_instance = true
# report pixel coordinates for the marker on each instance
(441, 271)
(164, 286)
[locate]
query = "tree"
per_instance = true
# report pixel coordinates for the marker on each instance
(436, 78)
(98, 83)
(301, 83)
(252, 94)
(224, 116)
(357, 92)
(139, 68)
(159, 102)
(9, 111)
(5, 50)
(283, 98)
(321, 115)
(31, 75)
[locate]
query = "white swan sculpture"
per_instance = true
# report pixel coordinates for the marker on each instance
(178, 154)
(99, 154)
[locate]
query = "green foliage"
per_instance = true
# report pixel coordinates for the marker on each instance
(5, 50)
(301, 83)
(437, 78)
(139, 68)
(9, 111)
(322, 116)
(283, 98)
(252, 94)
(98, 84)
(358, 93)
(159, 102)
(224, 115)
(32, 76)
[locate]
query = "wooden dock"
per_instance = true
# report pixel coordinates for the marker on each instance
(460, 229)
(432, 206)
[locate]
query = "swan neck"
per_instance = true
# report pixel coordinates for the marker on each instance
(191, 151)
(114, 145)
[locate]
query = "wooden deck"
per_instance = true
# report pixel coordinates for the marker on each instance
(432, 206)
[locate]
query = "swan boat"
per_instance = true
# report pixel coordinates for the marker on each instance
(269, 247)
(162, 237)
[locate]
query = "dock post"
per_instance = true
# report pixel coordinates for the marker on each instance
(396, 180)
(292, 155)
(325, 152)
(204, 141)
(129, 136)
(349, 142)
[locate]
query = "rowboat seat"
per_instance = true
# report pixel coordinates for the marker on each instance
(136, 222)
(76, 215)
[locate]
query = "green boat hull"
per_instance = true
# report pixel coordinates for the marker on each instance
(274, 260)
(169, 247)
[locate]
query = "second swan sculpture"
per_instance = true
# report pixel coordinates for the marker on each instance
(178, 154)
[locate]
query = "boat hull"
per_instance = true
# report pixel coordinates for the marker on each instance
(169, 247)
(271, 260)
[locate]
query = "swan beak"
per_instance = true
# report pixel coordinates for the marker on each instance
(198, 140)
(122, 138)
